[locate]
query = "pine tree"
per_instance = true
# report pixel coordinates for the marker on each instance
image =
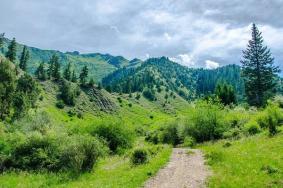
(74, 77)
(24, 59)
(258, 70)
(12, 51)
(2, 41)
(41, 72)
(56, 73)
(226, 93)
(67, 72)
(7, 88)
(83, 75)
(54, 68)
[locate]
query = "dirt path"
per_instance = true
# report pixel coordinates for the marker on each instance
(183, 171)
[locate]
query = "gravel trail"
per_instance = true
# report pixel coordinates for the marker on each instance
(184, 170)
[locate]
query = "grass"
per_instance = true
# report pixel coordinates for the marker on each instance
(255, 161)
(111, 172)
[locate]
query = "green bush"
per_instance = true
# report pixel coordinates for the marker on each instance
(52, 151)
(188, 141)
(252, 127)
(152, 137)
(116, 135)
(81, 153)
(207, 122)
(60, 104)
(169, 134)
(149, 94)
(139, 156)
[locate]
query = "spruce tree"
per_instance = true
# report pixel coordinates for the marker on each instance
(74, 77)
(226, 93)
(24, 59)
(56, 73)
(83, 75)
(41, 72)
(12, 51)
(54, 68)
(258, 70)
(67, 72)
(2, 41)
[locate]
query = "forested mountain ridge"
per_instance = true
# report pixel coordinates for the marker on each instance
(99, 65)
(187, 82)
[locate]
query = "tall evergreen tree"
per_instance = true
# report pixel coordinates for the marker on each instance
(7, 88)
(258, 70)
(67, 72)
(41, 72)
(12, 51)
(2, 41)
(74, 77)
(226, 93)
(56, 73)
(54, 68)
(24, 59)
(83, 75)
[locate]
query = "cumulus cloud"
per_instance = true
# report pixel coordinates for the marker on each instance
(211, 64)
(189, 31)
(184, 59)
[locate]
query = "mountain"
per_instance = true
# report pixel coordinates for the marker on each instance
(188, 83)
(99, 65)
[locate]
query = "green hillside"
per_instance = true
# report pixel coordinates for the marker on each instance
(99, 65)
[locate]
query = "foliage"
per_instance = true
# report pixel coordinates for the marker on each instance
(225, 93)
(258, 70)
(7, 88)
(40, 72)
(26, 95)
(139, 156)
(60, 104)
(116, 135)
(149, 94)
(83, 76)
(252, 127)
(11, 55)
(67, 72)
(68, 93)
(169, 134)
(207, 122)
(24, 59)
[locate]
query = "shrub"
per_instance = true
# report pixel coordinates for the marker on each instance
(252, 127)
(207, 122)
(152, 137)
(116, 135)
(188, 141)
(60, 104)
(139, 156)
(52, 152)
(81, 153)
(149, 94)
(169, 134)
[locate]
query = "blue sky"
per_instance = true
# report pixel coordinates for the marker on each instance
(196, 33)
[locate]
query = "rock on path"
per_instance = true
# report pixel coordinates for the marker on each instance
(183, 171)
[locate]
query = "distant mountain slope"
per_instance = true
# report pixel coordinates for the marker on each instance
(188, 83)
(99, 65)
(155, 73)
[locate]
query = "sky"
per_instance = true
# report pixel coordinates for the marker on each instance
(195, 33)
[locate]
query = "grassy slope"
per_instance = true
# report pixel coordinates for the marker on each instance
(111, 172)
(122, 173)
(240, 165)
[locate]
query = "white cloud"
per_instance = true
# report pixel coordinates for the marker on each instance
(184, 59)
(167, 36)
(211, 64)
